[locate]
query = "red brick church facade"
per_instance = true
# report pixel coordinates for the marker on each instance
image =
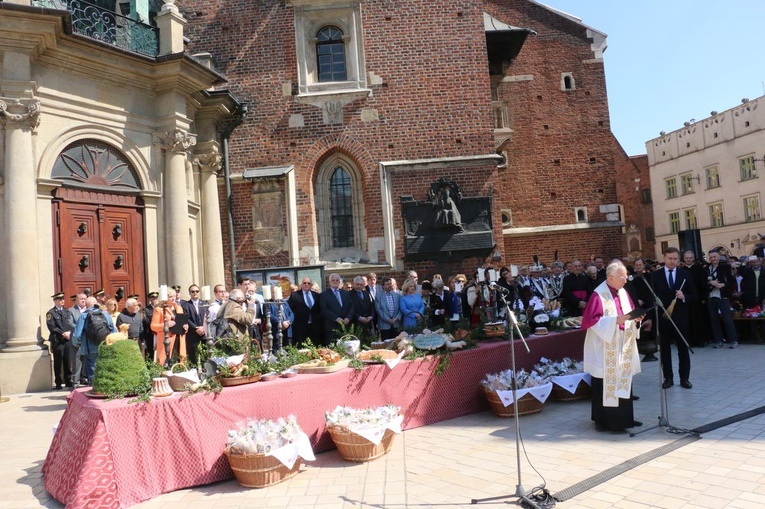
(419, 101)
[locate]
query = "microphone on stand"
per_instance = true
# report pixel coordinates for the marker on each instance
(494, 286)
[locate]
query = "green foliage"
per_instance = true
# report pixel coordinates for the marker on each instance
(121, 371)
(356, 364)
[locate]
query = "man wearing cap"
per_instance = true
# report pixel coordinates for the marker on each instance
(101, 297)
(57, 321)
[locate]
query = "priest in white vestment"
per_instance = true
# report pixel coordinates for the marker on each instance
(610, 351)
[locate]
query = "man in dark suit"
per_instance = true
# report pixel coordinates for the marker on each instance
(304, 303)
(720, 287)
(752, 283)
(363, 305)
(699, 325)
(57, 320)
(673, 283)
(336, 308)
(195, 310)
(576, 290)
(441, 302)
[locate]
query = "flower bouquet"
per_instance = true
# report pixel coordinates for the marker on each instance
(265, 452)
(570, 382)
(532, 390)
(363, 434)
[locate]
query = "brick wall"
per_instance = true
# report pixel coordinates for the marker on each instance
(561, 155)
(434, 101)
(430, 104)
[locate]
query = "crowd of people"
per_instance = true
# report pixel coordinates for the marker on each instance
(700, 294)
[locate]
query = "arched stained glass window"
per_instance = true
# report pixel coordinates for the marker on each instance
(341, 208)
(330, 54)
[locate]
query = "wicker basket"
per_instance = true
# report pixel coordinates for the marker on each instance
(527, 404)
(353, 447)
(239, 380)
(177, 383)
(560, 394)
(259, 470)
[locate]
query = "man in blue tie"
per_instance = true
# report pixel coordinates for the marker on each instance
(304, 303)
(336, 308)
(672, 284)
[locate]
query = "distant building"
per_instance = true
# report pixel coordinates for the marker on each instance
(708, 175)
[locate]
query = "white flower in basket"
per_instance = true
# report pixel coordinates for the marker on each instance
(363, 434)
(538, 386)
(566, 366)
(566, 374)
(263, 452)
(503, 381)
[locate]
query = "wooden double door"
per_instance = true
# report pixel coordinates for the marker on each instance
(98, 241)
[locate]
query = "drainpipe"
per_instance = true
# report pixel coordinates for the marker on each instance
(241, 112)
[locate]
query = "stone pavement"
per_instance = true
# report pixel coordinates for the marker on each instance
(449, 463)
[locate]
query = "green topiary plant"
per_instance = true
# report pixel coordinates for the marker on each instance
(120, 370)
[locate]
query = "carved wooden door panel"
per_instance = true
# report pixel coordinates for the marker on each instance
(79, 262)
(99, 246)
(121, 252)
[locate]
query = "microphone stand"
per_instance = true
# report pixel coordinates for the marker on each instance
(664, 417)
(520, 492)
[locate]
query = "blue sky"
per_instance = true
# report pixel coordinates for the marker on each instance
(671, 61)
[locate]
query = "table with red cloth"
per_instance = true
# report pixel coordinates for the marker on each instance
(116, 454)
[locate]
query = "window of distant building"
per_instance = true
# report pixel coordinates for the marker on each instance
(646, 194)
(746, 167)
(567, 81)
(580, 214)
(674, 222)
(649, 235)
(752, 208)
(330, 56)
(690, 219)
(712, 177)
(670, 185)
(716, 218)
(339, 205)
(686, 183)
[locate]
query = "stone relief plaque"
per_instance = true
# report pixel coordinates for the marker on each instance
(267, 223)
(447, 225)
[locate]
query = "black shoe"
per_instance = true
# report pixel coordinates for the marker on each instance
(636, 424)
(58, 387)
(667, 384)
(685, 384)
(69, 384)
(635, 398)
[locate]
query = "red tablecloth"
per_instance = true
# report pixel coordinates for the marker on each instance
(115, 454)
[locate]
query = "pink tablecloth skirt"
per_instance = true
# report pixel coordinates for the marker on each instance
(115, 454)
